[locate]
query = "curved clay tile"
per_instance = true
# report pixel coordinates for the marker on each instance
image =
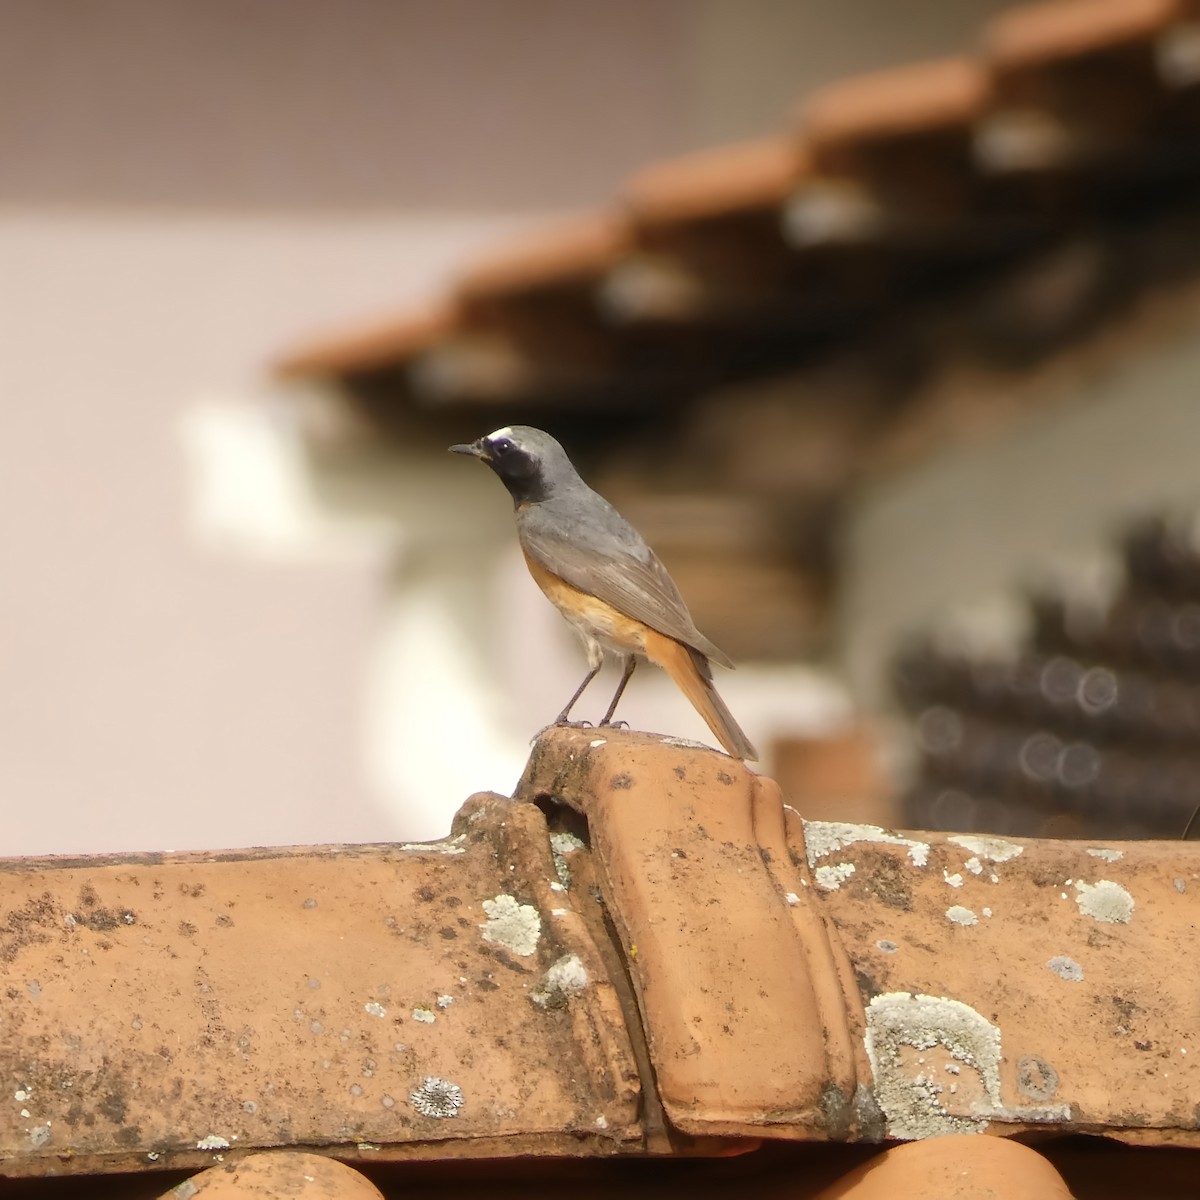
(571, 254)
(644, 951)
(271, 1175)
(384, 342)
(953, 1168)
(714, 183)
(920, 98)
(1065, 29)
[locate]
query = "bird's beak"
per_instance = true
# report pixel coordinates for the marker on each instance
(475, 449)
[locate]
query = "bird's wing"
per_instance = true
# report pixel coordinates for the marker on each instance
(628, 576)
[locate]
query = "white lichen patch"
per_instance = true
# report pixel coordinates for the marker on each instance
(973, 865)
(1108, 855)
(511, 925)
(910, 1099)
(822, 838)
(445, 1001)
(907, 1035)
(374, 1009)
(565, 977)
(39, 1135)
(960, 915)
(561, 845)
(438, 1098)
(991, 849)
(1066, 968)
(832, 876)
(955, 880)
(452, 845)
(683, 743)
(1104, 901)
(213, 1142)
(791, 898)
(425, 1015)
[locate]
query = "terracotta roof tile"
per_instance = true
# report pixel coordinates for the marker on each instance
(1066, 29)
(530, 985)
(279, 1173)
(919, 958)
(384, 342)
(378, 999)
(933, 169)
(572, 254)
(916, 99)
(716, 183)
(953, 1168)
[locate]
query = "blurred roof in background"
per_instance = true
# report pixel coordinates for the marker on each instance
(885, 196)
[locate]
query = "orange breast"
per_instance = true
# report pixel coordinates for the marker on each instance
(589, 615)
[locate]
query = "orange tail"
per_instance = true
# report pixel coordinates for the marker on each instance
(691, 673)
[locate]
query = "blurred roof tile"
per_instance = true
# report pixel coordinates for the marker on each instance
(573, 253)
(716, 183)
(380, 343)
(1067, 29)
(920, 98)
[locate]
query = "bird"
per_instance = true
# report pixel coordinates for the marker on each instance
(602, 576)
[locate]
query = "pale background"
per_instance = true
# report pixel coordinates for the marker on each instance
(198, 649)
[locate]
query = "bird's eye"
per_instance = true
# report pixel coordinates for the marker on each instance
(501, 447)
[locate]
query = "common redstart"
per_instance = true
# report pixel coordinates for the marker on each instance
(599, 573)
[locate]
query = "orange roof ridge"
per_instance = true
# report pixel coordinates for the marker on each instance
(1064, 29)
(571, 253)
(758, 173)
(914, 98)
(382, 342)
(645, 951)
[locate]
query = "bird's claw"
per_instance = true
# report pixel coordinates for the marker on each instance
(560, 725)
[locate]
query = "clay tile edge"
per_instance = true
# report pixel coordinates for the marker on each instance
(1039, 33)
(922, 97)
(718, 182)
(573, 253)
(695, 868)
(381, 343)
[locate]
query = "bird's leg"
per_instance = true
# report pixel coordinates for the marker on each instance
(563, 717)
(630, 663)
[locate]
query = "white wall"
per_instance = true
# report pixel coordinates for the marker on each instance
(1044, 499)
(189, 654)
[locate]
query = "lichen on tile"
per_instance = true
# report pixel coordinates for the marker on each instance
(822, 838)
(833, 875)
(512, 925)
(1104, 901)
(562, 844)
(1066, 968)
(566, 976)
(436, 1097)
(993, 849)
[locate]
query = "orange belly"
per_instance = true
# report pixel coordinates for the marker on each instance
(593, 618)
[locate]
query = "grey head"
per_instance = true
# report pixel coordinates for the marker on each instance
(529, 462)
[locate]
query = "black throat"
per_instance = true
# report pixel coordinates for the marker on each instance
(526, 484)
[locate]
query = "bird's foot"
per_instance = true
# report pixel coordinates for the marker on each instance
(614, 724)
(560, 724)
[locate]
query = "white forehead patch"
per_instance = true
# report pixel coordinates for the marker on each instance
(505, 432)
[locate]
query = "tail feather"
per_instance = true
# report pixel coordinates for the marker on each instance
(690, 672)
